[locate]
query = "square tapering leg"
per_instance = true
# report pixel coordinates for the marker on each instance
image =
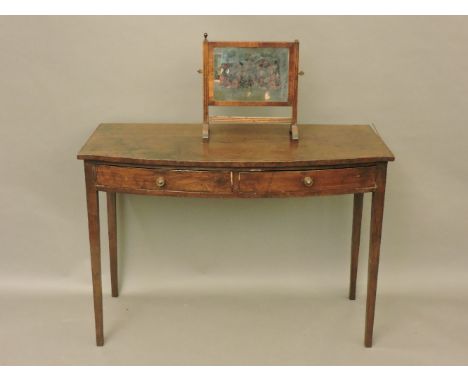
(355, 242)
(112, 231)
(95, 246)
(378, 197)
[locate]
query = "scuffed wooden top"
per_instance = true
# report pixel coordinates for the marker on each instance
(239, 146)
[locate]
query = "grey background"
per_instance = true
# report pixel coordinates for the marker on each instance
(232, 281)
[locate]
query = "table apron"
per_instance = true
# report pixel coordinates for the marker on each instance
(225, 183)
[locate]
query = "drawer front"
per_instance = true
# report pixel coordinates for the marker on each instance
(164, 181)
(329, 181)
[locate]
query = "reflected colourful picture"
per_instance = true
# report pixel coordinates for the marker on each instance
(251, 74)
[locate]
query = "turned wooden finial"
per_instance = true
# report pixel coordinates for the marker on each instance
(205, 35)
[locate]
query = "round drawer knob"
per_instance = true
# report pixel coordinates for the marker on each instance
(160, 182)
(308, 181)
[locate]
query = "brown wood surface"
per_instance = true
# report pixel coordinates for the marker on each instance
(355, 242)
(293, 79)
(242, 184)
(173, 180)
(205, 81)
(208, 74)
(112, 231)
(377, 209)
(332, 181)
(234, 146)
(95, 246)
(206, 89)
(251, 44)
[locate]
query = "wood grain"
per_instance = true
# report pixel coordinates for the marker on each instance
(330, 182)
(293, 79)
(377, 209)
(252, 44)
(174, 180)
(205, 82)
(355, 242)
(112, 232)
(240, 146)
(233, 184)
(95, 246)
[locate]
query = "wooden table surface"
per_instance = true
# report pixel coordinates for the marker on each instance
(234, 145)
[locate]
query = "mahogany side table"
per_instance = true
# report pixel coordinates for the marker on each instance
(239, 161)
